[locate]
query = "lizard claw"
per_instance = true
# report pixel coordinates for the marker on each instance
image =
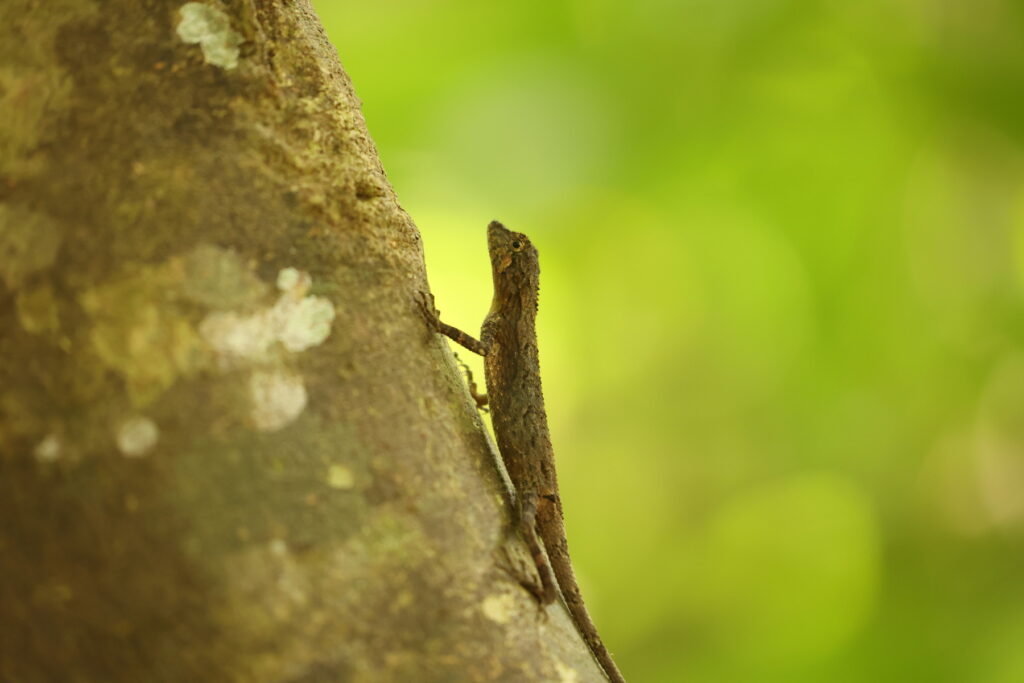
(479, 399)
(426, 304)
(526, 580)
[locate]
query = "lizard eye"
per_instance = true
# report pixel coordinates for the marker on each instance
(516, 245)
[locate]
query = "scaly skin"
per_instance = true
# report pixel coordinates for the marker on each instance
(508, 343)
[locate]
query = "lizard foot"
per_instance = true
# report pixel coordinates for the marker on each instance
(425, 300)
(527, 579)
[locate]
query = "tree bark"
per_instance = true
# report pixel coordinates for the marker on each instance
(230, 449)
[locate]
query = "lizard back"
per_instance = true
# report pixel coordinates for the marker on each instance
(512, 373)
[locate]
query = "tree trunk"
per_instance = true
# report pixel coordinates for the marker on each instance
(230, 449)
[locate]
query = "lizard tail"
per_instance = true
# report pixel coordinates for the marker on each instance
(553, 533)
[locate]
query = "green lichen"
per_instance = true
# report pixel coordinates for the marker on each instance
(32, 84)
(140, 334)
(340, 477)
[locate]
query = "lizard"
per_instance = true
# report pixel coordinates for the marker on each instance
(508, 344)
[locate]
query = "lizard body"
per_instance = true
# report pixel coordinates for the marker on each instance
(508, 343)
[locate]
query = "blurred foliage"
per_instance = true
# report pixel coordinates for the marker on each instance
(781, 321)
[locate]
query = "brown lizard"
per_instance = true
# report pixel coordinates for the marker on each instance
(508, 343)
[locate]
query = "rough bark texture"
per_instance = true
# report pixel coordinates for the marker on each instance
(229, 447)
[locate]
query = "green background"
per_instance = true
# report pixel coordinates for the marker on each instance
(782, 245)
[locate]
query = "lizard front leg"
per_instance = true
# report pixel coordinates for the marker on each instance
(426, 302)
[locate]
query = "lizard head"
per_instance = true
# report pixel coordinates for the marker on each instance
(514, 265)
(514, 260)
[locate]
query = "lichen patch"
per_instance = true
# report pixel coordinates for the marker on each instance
(293, 280)
(297, 321)
(210, 28)
(304, 323)
(499, 608)
(239, 336)
(340, 477)
(140, 335)
(136, 436)
(143, 329)
(49, 449)
(34, 85)
(566, 674)
(277, 396)
(217, 278)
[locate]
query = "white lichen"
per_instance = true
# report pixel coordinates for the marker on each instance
(292, 280)
(238, 335)
(297, 321)
(340, 477)
(566, 674)
(294, 323)
(211, 28)
(303, 323)
(277, 398)
(499, 608)
(48, 450)
(136, 436)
